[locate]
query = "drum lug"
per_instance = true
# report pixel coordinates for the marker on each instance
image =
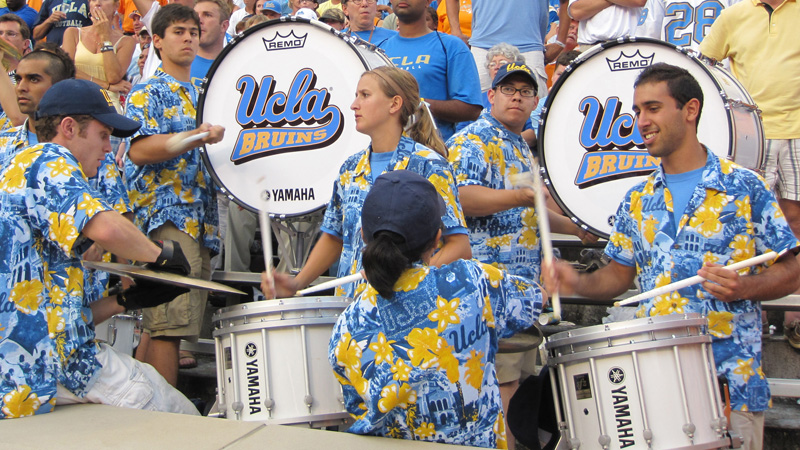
(604, 440)
(269, 403)
(308, 399)
(575, 443)
(689, 430)
(648, 437)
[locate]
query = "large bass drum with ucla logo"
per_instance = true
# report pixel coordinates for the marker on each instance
(591, 150)
(283, 92)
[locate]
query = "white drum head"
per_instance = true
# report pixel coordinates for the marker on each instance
(283, 93)
(591, 151)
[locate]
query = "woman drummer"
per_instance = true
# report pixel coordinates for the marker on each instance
(415, 352)
(389, 110)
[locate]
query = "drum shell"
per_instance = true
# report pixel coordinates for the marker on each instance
(272, 355)
(296, 160)
(119, 331)
(590, 149)
(652, 355)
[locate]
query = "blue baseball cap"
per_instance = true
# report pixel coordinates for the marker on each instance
(82, 97)
(271, 6)
(406, 203)
(511, 69)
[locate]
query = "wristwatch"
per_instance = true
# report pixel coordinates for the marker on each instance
(107, 46)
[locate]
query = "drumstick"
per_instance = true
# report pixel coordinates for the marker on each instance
(696, 279)
(177, 142)
(266, 234)
(534, 181)
(333, 283)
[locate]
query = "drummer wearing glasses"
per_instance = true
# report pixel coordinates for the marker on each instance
(693, 215)
(388, 109)
(502, 221)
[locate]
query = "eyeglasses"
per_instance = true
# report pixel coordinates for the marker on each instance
(306, 1)
(359, 2)
(493, 64)
(11, 34)
(510, 91)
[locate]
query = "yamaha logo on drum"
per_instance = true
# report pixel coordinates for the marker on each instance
(280, 42)
(625, 62)
(250, 350)
(616, 375)
(277, 122)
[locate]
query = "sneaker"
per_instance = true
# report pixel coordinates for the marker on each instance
(792, 332)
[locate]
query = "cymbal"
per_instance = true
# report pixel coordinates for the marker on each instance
(161, 277)
(518, 343)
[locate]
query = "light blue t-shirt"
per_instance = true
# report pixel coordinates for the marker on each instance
(443, 67)
(521, 23)
(379, 162)
(200, 67)
(681, 186)
(376, 36)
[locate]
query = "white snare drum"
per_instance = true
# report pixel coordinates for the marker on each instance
(272, 361)
(591, 150)
(121, 331)
(283, 93)
(644, 383)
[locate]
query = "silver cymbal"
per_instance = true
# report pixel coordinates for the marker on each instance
(161, 277)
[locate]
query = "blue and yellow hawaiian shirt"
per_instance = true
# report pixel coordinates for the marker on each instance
(421, 365)
(46, 329)
(485, 154)
(343, 216)
(179, 190)
(731, 216)
(108, 182)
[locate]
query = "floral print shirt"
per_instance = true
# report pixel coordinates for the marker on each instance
(731, 216)
(179, 190)
(343, 216)
(485, 154)
(46, 329)
(421, 364)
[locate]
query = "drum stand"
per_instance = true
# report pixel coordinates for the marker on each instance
(295, 236)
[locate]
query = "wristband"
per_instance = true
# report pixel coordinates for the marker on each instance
(106, 48)
(560, 44)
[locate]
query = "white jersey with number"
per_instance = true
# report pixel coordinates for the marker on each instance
(681, 22)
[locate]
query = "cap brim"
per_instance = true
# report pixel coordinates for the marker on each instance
(122, 126)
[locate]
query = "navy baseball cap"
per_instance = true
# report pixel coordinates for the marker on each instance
(406, 203)
(271, 6)
(82, 97)
(511, 69)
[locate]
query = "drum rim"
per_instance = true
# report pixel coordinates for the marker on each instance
(569, 70)
(280, 304)
(620, 329)
(212, 70)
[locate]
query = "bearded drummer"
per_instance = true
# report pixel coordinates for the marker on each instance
(389, 110)
(693, 215)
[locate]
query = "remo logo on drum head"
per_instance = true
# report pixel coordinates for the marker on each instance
(283, 92)
(591, 150)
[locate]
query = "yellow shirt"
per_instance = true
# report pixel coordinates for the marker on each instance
(764, 52)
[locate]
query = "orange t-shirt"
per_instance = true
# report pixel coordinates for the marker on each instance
(464, 17)
(35, 4)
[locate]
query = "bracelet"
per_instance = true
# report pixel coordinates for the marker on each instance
(106, 48)
(560, 44)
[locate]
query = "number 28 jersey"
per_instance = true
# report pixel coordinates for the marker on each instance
(681, 22)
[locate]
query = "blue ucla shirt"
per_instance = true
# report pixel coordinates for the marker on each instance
(443, 67)
(421, 365)
(732, 215)
(46, 328)
(343, 215)
(179, 190)
(486, 154)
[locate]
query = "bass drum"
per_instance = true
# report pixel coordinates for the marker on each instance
(283, 92)
(591, 150)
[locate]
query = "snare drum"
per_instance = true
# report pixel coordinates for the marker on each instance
(272, 362)
(591, 150)
(640, 384)
(121, 331)
(283, 92)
